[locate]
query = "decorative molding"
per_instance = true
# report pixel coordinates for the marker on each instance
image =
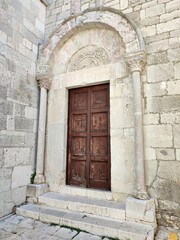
(87, 57)
(136, 61)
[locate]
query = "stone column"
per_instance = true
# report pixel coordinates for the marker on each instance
(136, 62)
(44, 87)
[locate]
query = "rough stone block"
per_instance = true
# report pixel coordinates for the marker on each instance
(19, 110)
(21, 176)
(169, 170)
(11, 140)
(10, 122)
(168, 26)
(174, 54)
(5, 184)
(165, 154)
(19, 195)
(6, 108)
(168, 118)
(161, 72)
(176, 136)
(142, 210)
(157, 58)
(2, 122)
(155, 89)
(155, 10)
(156, 45)
(27, 43)
(3, 37)
(125, 106)
(163, 104)
(173, 87)
(150, 154)
(31, 112)
(178, 154)
(1, 157)
(36, 190)
(151, 119)
(5, 173)
(16, 156)
(149, 31)
(39, 25)
(177, 70)
(124, 4)
(172, 5)
(151, 169)
(3, 92)
(164, 133)
(24, 124)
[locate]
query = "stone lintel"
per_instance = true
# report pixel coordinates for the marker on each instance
(141, 210)
(136, 61)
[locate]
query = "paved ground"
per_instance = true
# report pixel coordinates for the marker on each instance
(20, 228)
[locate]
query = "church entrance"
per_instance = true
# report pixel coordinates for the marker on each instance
(88, 149)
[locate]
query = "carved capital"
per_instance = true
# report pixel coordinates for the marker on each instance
(136, 61)
(44, 83)
(43, 76)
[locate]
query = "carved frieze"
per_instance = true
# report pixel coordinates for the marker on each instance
(87, 57)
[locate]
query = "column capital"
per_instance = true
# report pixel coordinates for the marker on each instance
(136, 61)
(43, 76)
(44, 83)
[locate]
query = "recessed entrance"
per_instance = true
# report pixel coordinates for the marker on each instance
(88, 150)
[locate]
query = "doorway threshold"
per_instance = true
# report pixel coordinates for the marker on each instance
(92, 193)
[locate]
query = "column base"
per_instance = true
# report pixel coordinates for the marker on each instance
(39, 178)
(141, 194)
(36, 190)
(143, 211)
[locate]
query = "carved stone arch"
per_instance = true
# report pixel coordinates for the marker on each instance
(132, 55)
(109, 18)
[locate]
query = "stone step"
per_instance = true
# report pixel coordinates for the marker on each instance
(104, 208)
(92, 193)
(95, 225)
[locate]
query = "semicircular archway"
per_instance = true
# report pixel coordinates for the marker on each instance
(58, 61)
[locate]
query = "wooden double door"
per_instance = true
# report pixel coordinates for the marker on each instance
(88, 153)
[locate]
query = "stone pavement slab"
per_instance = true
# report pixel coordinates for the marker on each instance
(86, 236)
(21, 228)
(66, 233)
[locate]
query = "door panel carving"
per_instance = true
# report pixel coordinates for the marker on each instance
(98, 171)
(78, 145)
(88, 137)
(78, 171)
(99, 145)
(99, 121)
(79, 122)
(80, 101)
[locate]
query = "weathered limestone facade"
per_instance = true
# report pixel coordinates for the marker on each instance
(157, 22)
(138, 42)
(21, 32)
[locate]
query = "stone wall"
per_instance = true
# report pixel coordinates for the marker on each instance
(159, 23)
(21, 32)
